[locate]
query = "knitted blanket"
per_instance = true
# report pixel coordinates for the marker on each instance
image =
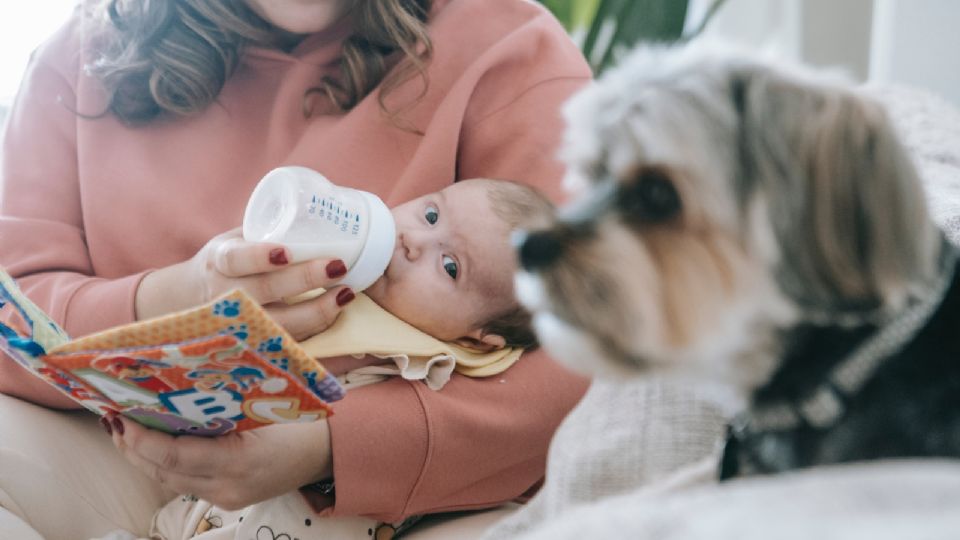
(638, 459)
(929, 127)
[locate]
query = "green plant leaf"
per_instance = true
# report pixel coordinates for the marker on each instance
(643, 21)
(563, 11)
(601, 27)
(604, 29)
(575, 15)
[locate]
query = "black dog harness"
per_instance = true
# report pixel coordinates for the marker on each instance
(769, 436)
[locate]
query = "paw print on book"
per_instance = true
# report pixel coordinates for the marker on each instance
(227, 308)
(282, 363)
(311, 378)
(240, 331)
(274, 344)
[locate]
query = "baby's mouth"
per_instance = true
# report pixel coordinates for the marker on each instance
(399, 251)
(391, 268)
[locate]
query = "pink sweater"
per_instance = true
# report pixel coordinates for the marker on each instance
(87, 207)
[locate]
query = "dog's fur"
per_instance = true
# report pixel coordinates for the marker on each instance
(752, 224)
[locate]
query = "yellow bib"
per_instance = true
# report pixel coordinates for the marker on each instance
(365, 328)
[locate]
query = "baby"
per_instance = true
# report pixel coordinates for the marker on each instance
(451, 274)
(451, 278)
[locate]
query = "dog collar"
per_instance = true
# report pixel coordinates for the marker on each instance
(823, 407)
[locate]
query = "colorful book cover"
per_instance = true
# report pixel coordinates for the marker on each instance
(223, 366)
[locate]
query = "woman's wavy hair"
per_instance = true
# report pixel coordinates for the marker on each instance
(174, 56)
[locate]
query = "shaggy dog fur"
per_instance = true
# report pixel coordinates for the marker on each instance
(760, 226)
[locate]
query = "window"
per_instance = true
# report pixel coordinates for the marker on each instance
(23, 26)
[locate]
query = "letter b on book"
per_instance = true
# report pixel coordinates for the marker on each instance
(204, 406)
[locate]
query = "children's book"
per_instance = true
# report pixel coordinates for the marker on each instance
(223, 366)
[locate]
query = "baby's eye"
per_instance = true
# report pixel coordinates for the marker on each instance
(431, 215)
(450, 266)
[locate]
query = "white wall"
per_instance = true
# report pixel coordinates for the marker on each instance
(917, 42)
(837, 33)
(24, 24)
(771, 25)
(912, 42)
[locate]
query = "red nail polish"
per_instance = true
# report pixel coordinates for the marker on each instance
(336, 269)
(106, 425)
(118, 425)
(278, 256)
(344, 297)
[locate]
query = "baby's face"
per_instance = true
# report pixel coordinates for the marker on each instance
(452, 266)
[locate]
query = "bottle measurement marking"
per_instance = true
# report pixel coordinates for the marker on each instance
(334, 213)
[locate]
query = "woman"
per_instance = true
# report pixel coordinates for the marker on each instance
(125, 162)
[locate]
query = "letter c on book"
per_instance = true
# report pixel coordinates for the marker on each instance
(278, 411)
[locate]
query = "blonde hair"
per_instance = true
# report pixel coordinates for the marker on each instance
(174, 56)
(516, 204)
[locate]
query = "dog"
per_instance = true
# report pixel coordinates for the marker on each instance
(760, 226)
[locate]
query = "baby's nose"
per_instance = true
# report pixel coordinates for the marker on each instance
(411, 246)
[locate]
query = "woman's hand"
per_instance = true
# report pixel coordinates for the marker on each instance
(262, 270)
(231, 471)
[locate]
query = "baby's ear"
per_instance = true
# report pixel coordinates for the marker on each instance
(478, 340)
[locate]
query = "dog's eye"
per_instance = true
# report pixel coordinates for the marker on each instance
(651, 198)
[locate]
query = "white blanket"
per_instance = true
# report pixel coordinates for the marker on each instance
(929, 127)
(874, 501)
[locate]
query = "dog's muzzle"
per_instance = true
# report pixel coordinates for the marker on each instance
(540, 249)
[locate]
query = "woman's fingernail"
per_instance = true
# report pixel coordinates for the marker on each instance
(336, 269)
(118, 425)
(344, 297)
(278, 256)
(106, 425)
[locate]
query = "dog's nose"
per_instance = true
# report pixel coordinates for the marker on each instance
(540, 249)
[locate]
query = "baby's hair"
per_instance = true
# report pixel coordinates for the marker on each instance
(515, 204)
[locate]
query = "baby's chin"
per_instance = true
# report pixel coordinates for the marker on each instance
(377, 291)
(380, 294)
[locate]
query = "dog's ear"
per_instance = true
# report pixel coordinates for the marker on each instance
(846, 206)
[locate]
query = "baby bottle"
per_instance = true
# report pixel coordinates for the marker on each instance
(299, 208)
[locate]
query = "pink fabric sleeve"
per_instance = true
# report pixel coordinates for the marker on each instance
(475, 444)
(513, 126)
(400, 449)
(520, 141)
(42, 241)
